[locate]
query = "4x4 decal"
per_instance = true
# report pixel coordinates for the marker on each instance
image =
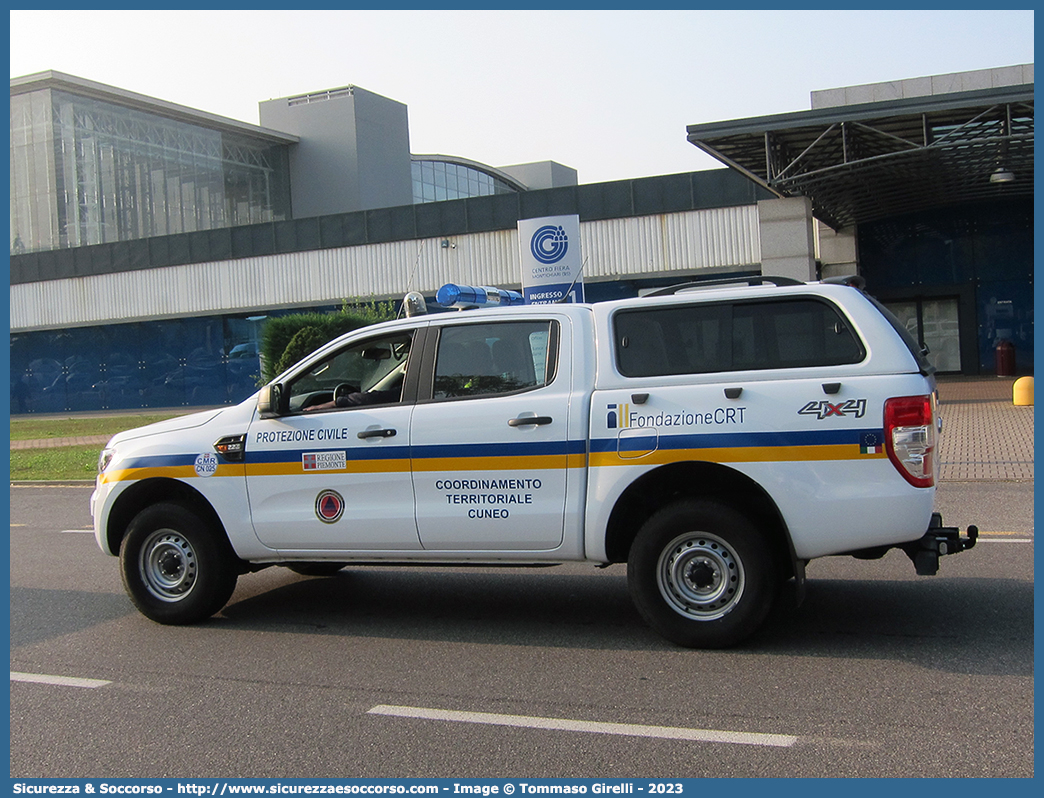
(823, 409)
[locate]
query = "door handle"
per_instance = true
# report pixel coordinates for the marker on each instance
(529, 421)
(377, 433)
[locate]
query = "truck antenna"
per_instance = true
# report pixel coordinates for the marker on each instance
(570, 288)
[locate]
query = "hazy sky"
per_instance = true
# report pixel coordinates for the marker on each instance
(606, 92)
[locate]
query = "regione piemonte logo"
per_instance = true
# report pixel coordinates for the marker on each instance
(549, 244)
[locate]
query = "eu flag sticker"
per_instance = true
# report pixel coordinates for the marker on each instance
(871, 443)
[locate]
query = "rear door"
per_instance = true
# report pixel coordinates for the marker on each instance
(491, 451)
(776, 388)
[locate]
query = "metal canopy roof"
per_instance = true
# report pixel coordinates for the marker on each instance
(861, 163)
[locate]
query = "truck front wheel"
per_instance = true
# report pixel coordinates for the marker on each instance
(701, 575)
(175, 566)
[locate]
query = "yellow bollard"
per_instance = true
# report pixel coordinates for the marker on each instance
(1022, 391)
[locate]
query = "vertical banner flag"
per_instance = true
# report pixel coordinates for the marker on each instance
(550, 250)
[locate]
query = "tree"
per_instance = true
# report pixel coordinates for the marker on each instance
(287, 339)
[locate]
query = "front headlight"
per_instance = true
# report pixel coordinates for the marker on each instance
(104, 459)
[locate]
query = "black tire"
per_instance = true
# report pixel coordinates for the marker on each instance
(701, 575)
(315, 568)
(177, 568)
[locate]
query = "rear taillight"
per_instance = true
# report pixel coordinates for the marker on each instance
(910, 438)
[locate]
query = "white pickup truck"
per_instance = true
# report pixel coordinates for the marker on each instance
(715, 440)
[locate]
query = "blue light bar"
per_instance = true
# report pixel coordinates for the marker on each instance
(452, 295)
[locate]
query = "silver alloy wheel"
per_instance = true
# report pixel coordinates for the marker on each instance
(700, 576)
(167, 564)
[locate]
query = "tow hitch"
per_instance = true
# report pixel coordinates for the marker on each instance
(938, 541)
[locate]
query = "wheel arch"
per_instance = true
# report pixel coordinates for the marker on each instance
(153, 491)
(692, 480)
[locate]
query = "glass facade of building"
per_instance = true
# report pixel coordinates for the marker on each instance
(84, 171)
(960, 279)
(434, 181)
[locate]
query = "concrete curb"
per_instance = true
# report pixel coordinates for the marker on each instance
(54, 443)
(52, 483)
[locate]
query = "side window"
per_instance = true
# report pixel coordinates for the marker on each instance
(366, 373)
(740, 336)
(490, 359)
(791, 334)
(687, 340)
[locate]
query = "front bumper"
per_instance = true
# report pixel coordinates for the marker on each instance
(99, 506)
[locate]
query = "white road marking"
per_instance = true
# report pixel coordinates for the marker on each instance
(1004, 540)
(77, 532)
(562, 724)
(63, 681)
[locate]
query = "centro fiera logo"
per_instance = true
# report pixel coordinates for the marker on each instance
(549, 244)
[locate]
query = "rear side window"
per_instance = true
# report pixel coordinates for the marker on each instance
(739, 336)
(920, 353)
(496, 358)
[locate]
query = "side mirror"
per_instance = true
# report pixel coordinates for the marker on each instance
(269, 401)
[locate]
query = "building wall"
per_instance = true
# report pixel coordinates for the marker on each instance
(543, 174)
(353, 154)
(186, 334)
(787, 238)
(1019, 75)
(683, 244)
(718, 188)
(383, 149)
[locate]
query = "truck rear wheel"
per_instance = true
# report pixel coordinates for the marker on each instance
(701, 575)
(176, 568)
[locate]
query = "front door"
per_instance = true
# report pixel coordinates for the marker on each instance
(333, 471)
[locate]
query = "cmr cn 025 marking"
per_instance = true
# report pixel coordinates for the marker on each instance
(715, 438)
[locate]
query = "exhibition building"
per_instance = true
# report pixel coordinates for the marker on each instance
(151, 241)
